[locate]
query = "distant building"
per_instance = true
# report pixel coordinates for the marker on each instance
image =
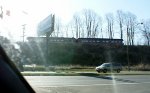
(99, 41)
(52, 39)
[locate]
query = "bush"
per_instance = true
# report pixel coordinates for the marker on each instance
(34, 68)
(51, 68)
(141, 67)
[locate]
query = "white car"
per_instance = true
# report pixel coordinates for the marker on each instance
(109, 67)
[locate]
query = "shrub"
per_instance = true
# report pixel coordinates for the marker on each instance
(34, 68)
(141, 67)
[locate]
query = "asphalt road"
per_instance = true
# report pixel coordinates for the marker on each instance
(90, 84)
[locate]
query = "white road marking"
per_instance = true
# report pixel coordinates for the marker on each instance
(95, 85)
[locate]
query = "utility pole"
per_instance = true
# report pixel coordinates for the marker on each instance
(128, 51)
(23, 31)
(47, 38)
(128, 58)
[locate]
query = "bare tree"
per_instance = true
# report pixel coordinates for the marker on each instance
(72, 29)
(77, 25)
(92, 23)
(58, 28)
(66, 30)
(120, 20)
(110, 24)
(131, 23)
(87, 23)
(146, 31)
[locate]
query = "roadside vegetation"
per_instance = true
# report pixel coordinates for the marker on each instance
(85, 54)
(78, 68)
(75, 57)
(63, 68)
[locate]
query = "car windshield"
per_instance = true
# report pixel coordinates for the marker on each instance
(106, 64)
(58, 45)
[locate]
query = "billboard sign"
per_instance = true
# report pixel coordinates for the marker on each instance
(46, 25)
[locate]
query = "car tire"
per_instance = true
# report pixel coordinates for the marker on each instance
(118, 70)
(105, 71)
(98, 71)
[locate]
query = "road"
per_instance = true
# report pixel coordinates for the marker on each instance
(90, 84)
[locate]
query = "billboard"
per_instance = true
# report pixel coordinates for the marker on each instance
(46, 25)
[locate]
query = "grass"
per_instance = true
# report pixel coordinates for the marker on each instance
(78, 70)
(141, 67)
(67, 68)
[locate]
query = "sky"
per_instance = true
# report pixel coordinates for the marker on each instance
(31, 12)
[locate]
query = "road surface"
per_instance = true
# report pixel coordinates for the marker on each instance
(90, 84)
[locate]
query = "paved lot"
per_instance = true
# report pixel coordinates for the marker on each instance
(90, 84)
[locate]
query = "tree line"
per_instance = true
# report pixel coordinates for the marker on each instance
(121, 25)
(74, 54)
(83, 54)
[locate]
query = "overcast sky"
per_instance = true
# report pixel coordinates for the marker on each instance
(30, 12)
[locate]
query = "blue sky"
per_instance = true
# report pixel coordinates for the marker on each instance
(66, 8)
(38, 9)
(138, 7)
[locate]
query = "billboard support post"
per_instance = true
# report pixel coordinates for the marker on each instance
(47, 50)
(46, 27)
(47, 41)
